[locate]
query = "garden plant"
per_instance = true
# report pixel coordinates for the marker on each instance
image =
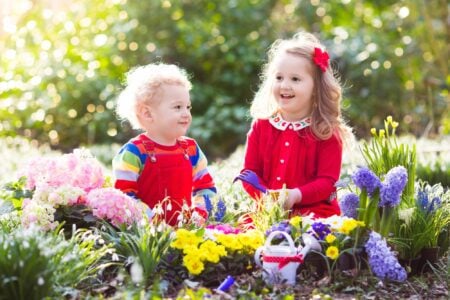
(61, 214)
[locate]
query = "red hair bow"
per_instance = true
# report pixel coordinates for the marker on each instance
(321, 59)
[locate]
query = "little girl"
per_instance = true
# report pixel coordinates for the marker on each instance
(161, 165)
(297, 131)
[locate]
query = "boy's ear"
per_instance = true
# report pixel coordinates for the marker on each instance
(145, 112)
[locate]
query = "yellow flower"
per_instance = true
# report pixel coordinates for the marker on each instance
(348, 225)
(220, 250)
(190, 250)
(332, 252)
(373, 131)
(394, 125)
(330, 238)
(225, 239)
(193, 264)
(244, 239)
(382, 133)
(208, 245)
(234, 245)
(256, 239)
(229, 241)
(212, 252)
(184, 238)
(213, 257)
(295, 221)
(177, 244)
(389, 119)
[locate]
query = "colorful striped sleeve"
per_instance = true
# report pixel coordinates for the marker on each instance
(127, 166)
(203, 183)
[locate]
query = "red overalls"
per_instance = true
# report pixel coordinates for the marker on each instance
(166, 178)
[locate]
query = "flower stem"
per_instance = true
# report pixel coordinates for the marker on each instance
(361, 214)
(386, 220)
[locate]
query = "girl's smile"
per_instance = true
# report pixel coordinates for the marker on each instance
(293, 86)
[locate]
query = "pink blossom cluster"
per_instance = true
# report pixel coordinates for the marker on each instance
(114, 205)
(79, 169)
(223, 228)
(72, 179)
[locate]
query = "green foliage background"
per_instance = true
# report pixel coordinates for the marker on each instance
(60, 70)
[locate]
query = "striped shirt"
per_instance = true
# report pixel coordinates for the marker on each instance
(129, 163)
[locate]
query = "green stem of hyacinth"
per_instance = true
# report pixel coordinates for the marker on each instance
(386, 220)
(361, 213)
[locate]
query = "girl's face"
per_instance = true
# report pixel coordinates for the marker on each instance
(169, 116)
(293, 86)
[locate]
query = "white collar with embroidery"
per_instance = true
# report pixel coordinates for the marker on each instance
(278, 122)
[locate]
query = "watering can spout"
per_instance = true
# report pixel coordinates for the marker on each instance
(311, 243)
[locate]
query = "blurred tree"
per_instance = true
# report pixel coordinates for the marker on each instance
(222, 44)
(392, 56)
(60, 70)
(59, 75)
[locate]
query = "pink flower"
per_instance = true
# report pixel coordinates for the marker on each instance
(223, 228)
(78, 169)
(115, 206)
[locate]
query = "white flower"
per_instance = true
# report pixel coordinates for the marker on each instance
(137, 273)
(406, 214)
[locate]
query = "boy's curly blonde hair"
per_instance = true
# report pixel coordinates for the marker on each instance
(142, 84)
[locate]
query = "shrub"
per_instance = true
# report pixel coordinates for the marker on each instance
(35, 265)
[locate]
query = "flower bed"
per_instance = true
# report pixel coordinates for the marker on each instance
(78, 237)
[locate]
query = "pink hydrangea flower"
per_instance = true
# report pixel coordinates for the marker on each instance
(78, 169)
(115, 206)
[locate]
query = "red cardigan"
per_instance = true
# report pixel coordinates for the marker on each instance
(298, 159)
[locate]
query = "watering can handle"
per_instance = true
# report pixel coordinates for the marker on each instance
(286, 235)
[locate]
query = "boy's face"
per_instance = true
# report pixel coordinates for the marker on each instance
(170, 114)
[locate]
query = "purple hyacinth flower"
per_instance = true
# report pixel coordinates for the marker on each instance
(349, 204)
(392, 186)
(208, 204)
(382, 261)
(221, 210)
(365, 179)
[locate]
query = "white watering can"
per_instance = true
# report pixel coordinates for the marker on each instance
(279, 262)
(311, 243)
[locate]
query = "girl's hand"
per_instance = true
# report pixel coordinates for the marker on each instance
(293, 196)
